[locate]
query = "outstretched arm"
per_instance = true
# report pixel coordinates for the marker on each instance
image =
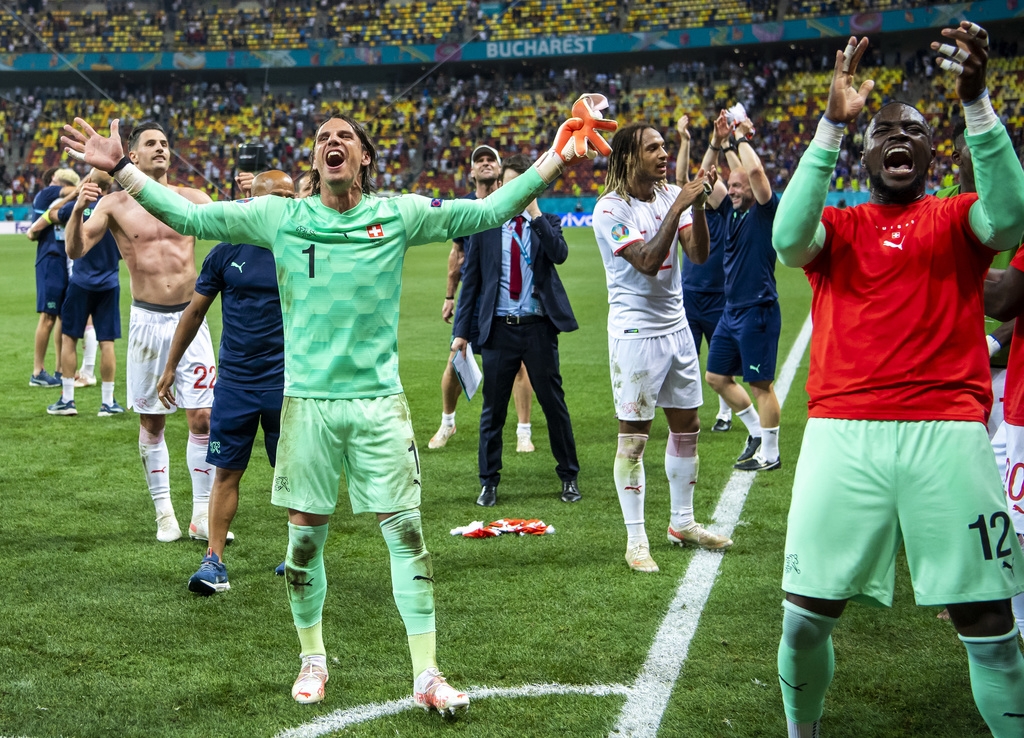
(751, 163)
(997, 218)
(683, 157)
(797, 234)
(252, 222)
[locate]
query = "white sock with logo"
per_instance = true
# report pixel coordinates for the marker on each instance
(202, 473)
(724, 411)
(153, 451)
(769, 450)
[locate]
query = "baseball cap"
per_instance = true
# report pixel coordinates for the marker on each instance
(486, 150)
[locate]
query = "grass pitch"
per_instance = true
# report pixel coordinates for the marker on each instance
(99, 636)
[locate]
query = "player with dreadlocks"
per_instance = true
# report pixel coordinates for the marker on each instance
(653, 360)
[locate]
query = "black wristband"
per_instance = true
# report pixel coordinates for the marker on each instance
(125, 161)
(743, 141)
(714, 148)
(450, 297)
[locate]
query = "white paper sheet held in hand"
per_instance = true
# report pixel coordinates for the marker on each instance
(467, 371)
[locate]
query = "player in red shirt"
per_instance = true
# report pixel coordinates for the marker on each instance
(896, 450)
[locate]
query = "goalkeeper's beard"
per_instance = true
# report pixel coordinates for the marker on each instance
(901, 196)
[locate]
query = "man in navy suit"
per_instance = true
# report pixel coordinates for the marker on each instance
(523, 308)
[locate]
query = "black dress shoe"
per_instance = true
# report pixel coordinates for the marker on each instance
(570, 492)
(488, 495)
(722, 425)
(753, 443)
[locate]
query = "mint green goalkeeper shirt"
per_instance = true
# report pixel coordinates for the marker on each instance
(340, 274)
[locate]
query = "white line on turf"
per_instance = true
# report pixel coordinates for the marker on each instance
(641, 715)
(339, 719)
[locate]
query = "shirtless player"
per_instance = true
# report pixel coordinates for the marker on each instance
(162, 267)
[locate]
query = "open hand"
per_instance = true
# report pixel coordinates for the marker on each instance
(968, 58)
(92, 148)
(844, 100)
(681, 126)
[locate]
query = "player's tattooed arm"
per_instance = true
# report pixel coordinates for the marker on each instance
(648, 256)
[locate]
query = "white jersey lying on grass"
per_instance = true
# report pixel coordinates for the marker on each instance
(640, 306)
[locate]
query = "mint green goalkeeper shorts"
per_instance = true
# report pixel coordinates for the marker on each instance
(371, 440)
(863, 487)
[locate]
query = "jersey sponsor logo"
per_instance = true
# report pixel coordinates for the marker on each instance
(895, 236)
(435, 203)
(620, 232)
(375, 231)
(238, 266)
(894, 244)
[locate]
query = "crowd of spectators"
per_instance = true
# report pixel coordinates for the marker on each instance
(190, 25)
(425, 137)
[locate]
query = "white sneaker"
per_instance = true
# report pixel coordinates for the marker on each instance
(524, 443)
(696, 535)
(441, 437)
(309, 684)
(167, 529)
(639, 558)
(198, 530)
(85, 380)
(432, 690)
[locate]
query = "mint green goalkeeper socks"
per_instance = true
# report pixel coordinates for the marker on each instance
(306, 582)
(997, 681)
(412, 575)
(806, 662)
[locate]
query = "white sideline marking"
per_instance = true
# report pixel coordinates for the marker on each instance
(641, 715)
(339, 719)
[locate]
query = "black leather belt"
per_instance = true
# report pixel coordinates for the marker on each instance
(520, 319)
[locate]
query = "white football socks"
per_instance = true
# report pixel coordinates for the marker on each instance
(751, 420)
(769, 450)
(153, 451)
(630, 483)
(447, 419)
(89, 351)
(681, 465)
(67, 389)
(724, 411)
(107, 390)
(202, 473)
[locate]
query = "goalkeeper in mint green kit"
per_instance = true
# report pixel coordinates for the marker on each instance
(339, 261)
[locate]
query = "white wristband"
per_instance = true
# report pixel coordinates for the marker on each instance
(979, 115)
(829, 135)
(131, 179)
(549, 166)
(994, 346)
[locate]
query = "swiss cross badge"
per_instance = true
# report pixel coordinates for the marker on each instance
(375, 231)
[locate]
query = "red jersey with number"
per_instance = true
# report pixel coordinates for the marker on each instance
(1013, 395)
(898, 314)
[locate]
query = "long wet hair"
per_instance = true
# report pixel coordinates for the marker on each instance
(367, 174)
(625, 158)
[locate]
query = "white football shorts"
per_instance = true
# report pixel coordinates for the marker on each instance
(149, 342)
(661, 371)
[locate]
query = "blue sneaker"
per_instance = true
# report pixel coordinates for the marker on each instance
(43, 379)
(280, 569)
(107, 410)
(62, 408)
(211, 578)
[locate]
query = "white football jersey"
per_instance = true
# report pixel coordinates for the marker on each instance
(640, 306)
